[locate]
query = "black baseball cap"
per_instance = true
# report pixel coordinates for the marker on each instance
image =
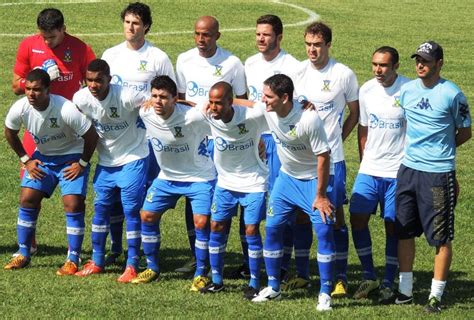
(429, 51)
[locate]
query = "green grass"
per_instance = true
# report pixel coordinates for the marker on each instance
(358, 28)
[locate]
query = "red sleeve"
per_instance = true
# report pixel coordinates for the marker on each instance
(22, 63)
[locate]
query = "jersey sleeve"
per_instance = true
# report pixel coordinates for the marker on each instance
(259, 116)
(132, 99)
(239, 83)
(363, 119)
(13, 119)
(461, 113)
(75, 119)
(180, 79)
(22, 63)
(166, 68)
(314, 130)
(351, 90)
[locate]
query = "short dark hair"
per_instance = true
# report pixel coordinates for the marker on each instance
(226, 87)
(320, 28)
(164, 83)
(99, 65)
(280, 84)
(272, 20)
(50, 19)
(140, 10)
(39, 75)
(394, 57)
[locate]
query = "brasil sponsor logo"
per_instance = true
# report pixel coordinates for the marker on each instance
(174, 148)
(385, 123)
(223, 145)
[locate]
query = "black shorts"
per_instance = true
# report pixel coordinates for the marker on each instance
(425, 202)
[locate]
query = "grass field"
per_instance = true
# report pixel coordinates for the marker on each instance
(358, 28)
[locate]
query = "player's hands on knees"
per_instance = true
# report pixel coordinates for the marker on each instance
(34, 171)
(73, 171)
(325, 208)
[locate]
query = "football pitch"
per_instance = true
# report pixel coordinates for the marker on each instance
(359, 27)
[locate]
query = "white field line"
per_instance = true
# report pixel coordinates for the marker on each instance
(312, 16)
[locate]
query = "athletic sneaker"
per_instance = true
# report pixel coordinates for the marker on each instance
(403, 299)
(69, 268)
(250, 292)
(189, 266)
(433, 306)
(295, 283)
(114, 258)
(365, 288)
(386, 295)
(340, 289)
(88, 269)
(146, 276)
(18, 262)
(267, 294)
(212, 288)
(199, 282)
(242, 272)
(324, 302)
(128, 275)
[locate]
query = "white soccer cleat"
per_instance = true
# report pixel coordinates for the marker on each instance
(267, 294)
(324, 302)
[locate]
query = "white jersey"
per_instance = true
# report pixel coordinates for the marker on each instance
(299, 137)
(196, 75)
(56, 130)
(236, 157)
(136, 68)
(121, 136)
(329, 89)
(257, 70)
(380, 111)
(180, 144)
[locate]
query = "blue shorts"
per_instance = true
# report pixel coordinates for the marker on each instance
(369, 191)
(53, 167)
(272, 159)
(164, 194)
(289, 194)
(127, 182)
(224, 205)
(340, 184)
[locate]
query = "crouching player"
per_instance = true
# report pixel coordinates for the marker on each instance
(302, 183)
(178, 136)
(61, 157)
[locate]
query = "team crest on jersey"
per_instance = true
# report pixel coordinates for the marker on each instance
(67, 55)
(113, 112)
(396, 102)
(213, 207)
(53, 123)
(142, 66)
(270, 212)
(292, 132)
(423, 104)
(149, 196)
(178, 133)
(242, 129)
(326, 84)
(218, 71)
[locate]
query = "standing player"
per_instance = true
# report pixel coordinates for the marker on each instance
(62, 157)
(178, 136)
(438, 121)
(121, 171)
(63, 56)
(242, 180)
(198, 69)
(133, 64)
(330, 86)
(381, 140)
(270, 60)
(302, 183)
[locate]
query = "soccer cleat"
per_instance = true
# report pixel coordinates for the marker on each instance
(212, 288)
(33, 251)
(250, 292)
(114, 258)
(267, 294)
(146, 276)
(433, 306)
(189, 266)
(88, 269)
(403, 299)
(69, 268)
(242, 272)
(365, 288)
(324, 302)
(295, 283)
(387, 296)
(199, 282)
(18, 262)
(128, 275)
(340, 289)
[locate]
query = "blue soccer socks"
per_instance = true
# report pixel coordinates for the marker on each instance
(151, 240)
(75, 226)
(26, 226)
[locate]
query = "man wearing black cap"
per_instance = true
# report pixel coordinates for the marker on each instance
(438, 121)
